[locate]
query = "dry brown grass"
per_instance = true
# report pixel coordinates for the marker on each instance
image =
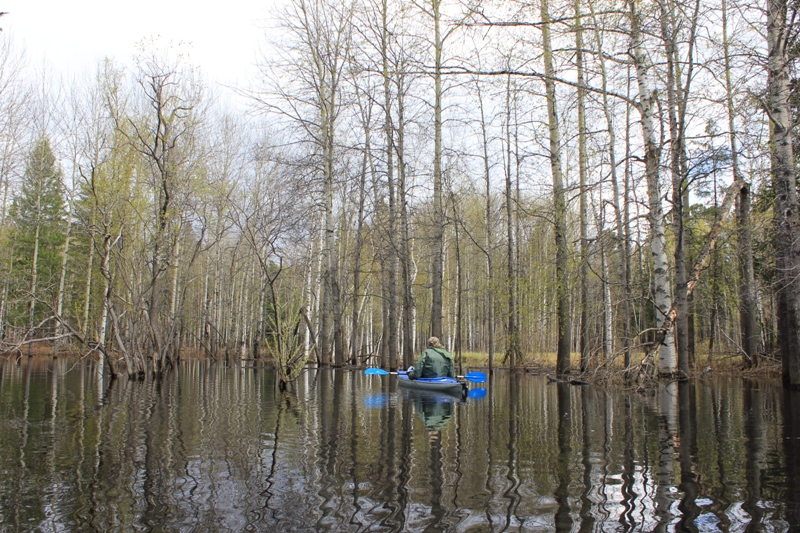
(545, 363)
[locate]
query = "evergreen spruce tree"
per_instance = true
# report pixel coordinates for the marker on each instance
(39, 216)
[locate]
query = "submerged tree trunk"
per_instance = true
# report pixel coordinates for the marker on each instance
(787, 231)
(747, 300)
(677, 101)
(406, 251)
(390, 179)
(392, 274)
(34, 279)
(620, 207)
(87, 291)
(62, 280)
(513, 351)
(359, 242)
(325, 306)
(325, 34)
(703, 255)
(608, 315)
(582, 171)
(457, 340)
(331, 307)
(667, 363)
(487, 251)
(678, 209)
(559, 203)
(437, 246)
(332, 257)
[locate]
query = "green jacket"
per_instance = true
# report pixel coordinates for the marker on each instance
(433, 363)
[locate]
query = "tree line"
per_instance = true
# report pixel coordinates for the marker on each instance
(610, 179)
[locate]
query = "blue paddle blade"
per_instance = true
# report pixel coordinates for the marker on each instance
(376, 372)
(476, 394)
(476, 377)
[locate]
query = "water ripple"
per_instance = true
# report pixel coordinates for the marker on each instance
(226, 449)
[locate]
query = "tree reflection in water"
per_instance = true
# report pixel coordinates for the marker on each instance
(226, 449)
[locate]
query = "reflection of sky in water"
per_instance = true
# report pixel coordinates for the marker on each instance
(707, 522)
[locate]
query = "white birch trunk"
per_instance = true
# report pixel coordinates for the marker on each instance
(62, 281)
(87, 291)
(34, 279)
(667, 361)
(608, 314)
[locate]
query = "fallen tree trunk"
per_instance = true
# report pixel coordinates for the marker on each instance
(645, 369)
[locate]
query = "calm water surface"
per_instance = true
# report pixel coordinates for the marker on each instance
(210, 448)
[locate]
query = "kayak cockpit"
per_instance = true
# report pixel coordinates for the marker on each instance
(445, 384)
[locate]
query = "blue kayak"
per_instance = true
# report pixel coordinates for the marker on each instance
(447, 385)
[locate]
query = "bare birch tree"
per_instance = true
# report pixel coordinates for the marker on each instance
(667, 363)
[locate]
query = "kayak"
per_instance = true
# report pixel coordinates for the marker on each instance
(446, 385)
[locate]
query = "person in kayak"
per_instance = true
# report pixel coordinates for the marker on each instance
(434, 362)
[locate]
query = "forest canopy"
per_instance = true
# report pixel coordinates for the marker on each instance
(606, 185)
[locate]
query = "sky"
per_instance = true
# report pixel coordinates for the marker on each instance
(72, 37)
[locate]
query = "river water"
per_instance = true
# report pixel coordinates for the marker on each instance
(210, 448)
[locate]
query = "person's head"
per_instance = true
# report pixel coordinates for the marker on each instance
(433, 342)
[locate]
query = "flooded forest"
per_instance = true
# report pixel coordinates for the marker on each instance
(207, 290)
(594, 186)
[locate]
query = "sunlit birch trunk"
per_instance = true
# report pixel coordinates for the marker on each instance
(677, 90)
(667, 362)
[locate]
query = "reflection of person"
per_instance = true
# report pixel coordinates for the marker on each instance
(434, 362)
(434, 409)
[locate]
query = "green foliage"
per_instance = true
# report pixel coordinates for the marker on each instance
(41, 197)
(39, 216)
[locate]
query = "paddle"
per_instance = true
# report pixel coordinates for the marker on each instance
(377, 372)
(475, 377)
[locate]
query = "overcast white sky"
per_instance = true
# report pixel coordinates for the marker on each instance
(74, 36)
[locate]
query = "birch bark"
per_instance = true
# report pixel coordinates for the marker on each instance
(667, 361)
